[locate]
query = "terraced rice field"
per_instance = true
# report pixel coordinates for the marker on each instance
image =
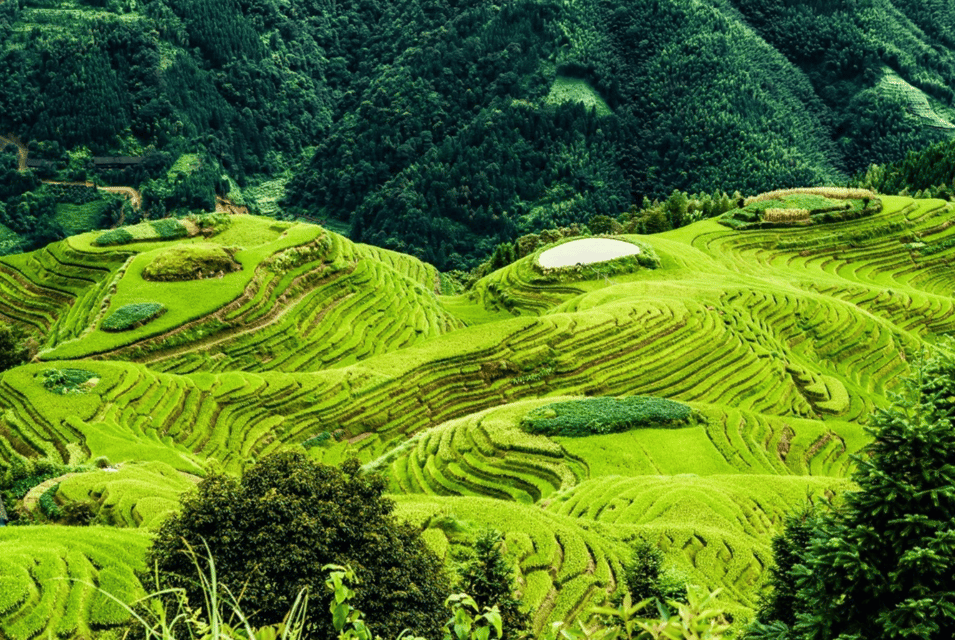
(781, 341)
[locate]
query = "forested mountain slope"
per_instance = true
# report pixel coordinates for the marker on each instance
(443, 127)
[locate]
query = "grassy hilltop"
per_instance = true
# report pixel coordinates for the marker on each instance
(231, 338)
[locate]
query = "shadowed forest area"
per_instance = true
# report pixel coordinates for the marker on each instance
(444, 128)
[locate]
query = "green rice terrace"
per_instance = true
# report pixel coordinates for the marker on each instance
(691, 397)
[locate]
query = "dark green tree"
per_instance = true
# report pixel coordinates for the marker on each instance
(645, 575)
(882, 565)
(271, 533)
(778, 606)
(15, 347)
(489, 579)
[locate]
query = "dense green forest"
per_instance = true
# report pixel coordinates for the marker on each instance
(445, 127)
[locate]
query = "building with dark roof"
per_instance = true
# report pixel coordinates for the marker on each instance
(116, 162)
(33, 163)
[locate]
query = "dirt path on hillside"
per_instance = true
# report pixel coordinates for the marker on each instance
(22, 150)
(132, 194)
(224, 205)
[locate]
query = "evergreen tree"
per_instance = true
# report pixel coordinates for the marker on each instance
(645, 576)
(488, 579)
(14, 346)
(882, 565)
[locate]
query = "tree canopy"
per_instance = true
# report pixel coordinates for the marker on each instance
(881, 565)
(271, 533)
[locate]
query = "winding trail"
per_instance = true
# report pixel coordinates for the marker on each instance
(223, 205)
(22, 153)
(134, 196)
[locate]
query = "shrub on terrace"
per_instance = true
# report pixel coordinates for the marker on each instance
(595, 416)
(191, 262)
(211, 223)
(113, 237)
(63, 381)
(15, 346)
(271, 533)
(803, 207)
(131, 316)
(169, 229)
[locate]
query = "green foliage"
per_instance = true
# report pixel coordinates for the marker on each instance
(190, 262)
(113, 237)
(806, 208)
(169, 229)
(594, 416)
(167, 614)
(698, 618)
(567, 89)
(489, 579)
(779, 605)
(930, 170)
(646, 578)
(48, 505)
(185, 164)
(131, 316)
(349, 623)
(15, 346)
(323, 438)
(64, 381)
(211, 223)
(76, 514)
(879, 564)
(271, 533)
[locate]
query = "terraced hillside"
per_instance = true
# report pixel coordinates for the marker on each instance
(778, 341)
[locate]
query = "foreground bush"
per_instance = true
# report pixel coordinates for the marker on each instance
(271, 533)
(882, 565)
(645, 576)
(220, 615)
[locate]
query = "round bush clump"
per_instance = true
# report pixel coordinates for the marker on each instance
(132, 316)
(595, 416)
(190, 262)
(64, 381)
(113, 237)
(169, 229)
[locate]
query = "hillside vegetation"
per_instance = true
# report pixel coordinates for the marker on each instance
(761, 352)
(440, 128)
